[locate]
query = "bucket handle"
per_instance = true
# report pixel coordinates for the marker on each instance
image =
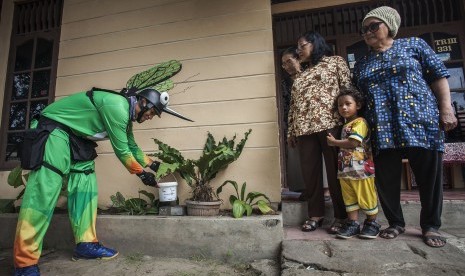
(174, 176)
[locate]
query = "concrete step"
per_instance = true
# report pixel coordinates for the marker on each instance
(218, 237)
(295, 213)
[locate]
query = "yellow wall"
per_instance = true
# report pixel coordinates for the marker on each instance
(227, 54)
(226, 48)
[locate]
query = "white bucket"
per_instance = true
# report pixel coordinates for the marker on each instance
(167, 191)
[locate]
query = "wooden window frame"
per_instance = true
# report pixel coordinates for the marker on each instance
(15, 41)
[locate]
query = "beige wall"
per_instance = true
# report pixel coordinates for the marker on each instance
(226, 48)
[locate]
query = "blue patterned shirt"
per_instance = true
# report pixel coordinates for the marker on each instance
(401, 108)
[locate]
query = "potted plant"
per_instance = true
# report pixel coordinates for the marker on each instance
(242, 203)
(199, 173)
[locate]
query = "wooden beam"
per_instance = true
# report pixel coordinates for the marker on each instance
(302, 5)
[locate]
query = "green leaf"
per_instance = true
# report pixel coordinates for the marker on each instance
(20, 195)
(120, 199)
(174, 162)
(168, 154)
(147, 194)
(248, 209)
(254, 195)
(233, 183)
(263, 206)
(165, 169)
(115, 201)
(15, 177)
(238, 209)
(243, 191)
(155, 75)
(241, 144)
(152, 211)
(232, 198)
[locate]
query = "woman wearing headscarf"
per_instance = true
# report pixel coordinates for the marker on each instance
(311, 118)
(408, 109)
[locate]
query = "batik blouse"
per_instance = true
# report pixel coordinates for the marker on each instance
(313, 95)
(401, 108)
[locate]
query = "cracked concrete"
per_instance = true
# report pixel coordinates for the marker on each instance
(407, 255)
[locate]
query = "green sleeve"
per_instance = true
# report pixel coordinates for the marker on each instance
(140, 156)
(115, 117)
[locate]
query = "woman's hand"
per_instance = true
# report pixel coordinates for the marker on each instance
(292, 141)
(447, 120)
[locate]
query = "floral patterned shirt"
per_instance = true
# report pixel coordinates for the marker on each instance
(313, 95)
(402, 110)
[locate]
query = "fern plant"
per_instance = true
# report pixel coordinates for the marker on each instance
(200, 172)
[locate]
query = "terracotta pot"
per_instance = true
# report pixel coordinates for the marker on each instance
(201, 208)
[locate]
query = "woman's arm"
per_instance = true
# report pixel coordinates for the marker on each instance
(441, 90)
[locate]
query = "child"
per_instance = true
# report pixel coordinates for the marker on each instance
(355, 167)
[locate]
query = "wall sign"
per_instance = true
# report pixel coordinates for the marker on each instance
(447, 46)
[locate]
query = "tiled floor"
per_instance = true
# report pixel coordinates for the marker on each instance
(449, 194)
(412, 195)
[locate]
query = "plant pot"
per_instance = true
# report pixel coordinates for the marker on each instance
(201, 208)
(167, 191)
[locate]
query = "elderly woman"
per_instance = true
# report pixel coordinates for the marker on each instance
(311, 118)
(408, 109)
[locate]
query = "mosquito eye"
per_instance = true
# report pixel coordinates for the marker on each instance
(164, 98)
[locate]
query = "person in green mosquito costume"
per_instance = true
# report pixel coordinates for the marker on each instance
(61, 144)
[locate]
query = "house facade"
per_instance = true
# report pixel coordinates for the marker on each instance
(230, 56)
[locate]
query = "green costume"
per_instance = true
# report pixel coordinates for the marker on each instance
(108, 119)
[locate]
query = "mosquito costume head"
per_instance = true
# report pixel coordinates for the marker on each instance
(158, 101)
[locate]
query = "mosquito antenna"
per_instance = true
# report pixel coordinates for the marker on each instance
(188, 78)
(182, 82)
(182, 91)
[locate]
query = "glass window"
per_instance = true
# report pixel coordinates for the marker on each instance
(41, 84)
(31, 74)
(20, 86)
(44, 52)
(37, 107)
(23, 60)
(18, 116)
(14, 140)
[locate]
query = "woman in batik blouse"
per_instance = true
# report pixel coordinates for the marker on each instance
(311, 118)
(408, 109)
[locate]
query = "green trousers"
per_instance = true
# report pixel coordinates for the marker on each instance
(42, 191)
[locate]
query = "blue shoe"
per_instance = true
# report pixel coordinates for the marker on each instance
(32, 270)
(350, 229)
(93, 250)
